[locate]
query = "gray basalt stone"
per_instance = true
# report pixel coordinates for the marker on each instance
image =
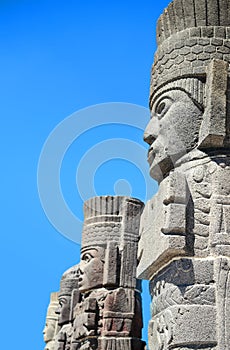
(51, 327)
(184, 247)
(100, 298)
(181, 240)
(109, 314)
(165, 232)
(68, 296)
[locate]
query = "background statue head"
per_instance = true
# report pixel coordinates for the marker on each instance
(111, 229)
(68, 285)
(189, 83)
(51, 326)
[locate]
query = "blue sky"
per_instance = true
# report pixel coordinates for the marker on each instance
(58, 57)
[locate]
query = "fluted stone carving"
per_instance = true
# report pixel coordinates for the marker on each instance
(184, 247)
(100, 298)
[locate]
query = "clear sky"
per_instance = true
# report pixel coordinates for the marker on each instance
(58, 57)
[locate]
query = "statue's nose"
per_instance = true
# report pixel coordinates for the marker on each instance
(151, 131)
(79, 270)
(57, 311)
(148, 138)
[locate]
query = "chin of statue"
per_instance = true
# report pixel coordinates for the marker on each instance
(159, 169)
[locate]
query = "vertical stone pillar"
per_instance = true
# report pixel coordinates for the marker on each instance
(68, 297)
(51, 325)
(184, 248)
(109, 315)
(100, 298)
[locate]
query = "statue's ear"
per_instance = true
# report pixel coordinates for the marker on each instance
(110, 277)
(213, 129)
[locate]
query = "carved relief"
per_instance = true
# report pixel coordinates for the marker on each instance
(222, 267)
(183, 298)
(161, 331)
(184, 246)
(109, 313)
(99, 299)
(174, 126)
(51, 326)
(67, 297)
(167, 226)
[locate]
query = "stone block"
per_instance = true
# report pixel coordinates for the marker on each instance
(213, 130)
(163, 226)
(190, 325)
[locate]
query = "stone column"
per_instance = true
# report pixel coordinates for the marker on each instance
(51, 326)
(184, 247)
(109, 314)
(68, 297)
(100, 298)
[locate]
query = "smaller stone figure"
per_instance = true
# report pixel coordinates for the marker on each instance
(51, 327)
(67, 297)
(100, 298)
(109, 315)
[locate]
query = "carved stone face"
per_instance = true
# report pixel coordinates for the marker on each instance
(91, 269)
(64, 309)
(48, 331)
(172, 131)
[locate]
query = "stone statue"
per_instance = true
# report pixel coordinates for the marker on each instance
(100, 298)
(184, 247)
(68, 296)
(109, 314)
(51, 327)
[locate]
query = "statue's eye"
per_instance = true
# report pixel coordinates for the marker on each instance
(162, 106)
(87, 257)
(62, 302)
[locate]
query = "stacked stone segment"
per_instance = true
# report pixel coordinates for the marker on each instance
(100, 298)
(184, 247)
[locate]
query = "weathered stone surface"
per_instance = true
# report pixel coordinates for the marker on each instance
(207, 22)
(67, 297)
(174, 127)
(51, 326)
(109, 314)
(213, 129)
(184, 247)
(99, 299)
(165, 232)
(190, 298)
